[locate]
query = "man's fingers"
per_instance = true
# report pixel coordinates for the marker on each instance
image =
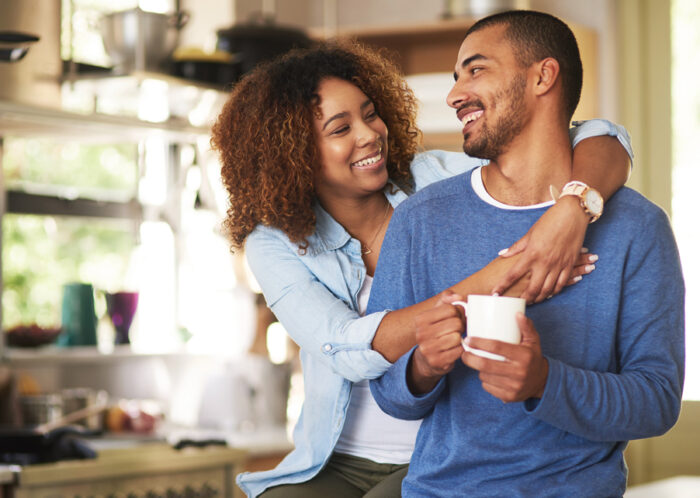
(527, 329)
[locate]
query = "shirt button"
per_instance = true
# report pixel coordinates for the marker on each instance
(326, 347)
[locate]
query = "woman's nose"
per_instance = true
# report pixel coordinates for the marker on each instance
(367, 135)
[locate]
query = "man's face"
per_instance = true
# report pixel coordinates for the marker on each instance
(489, 93)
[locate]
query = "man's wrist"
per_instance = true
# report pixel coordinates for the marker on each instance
(420, 378)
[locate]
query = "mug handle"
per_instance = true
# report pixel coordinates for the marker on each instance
(465, 306)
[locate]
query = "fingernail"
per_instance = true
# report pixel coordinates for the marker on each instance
(589, 268)
(584, 250)
(550, 297)
(593, 258)
(577, 278)
(502, 251)
(496, 294)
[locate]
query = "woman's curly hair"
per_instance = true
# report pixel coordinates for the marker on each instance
(265, 136)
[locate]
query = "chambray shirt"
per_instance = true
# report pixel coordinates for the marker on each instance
(314, 296)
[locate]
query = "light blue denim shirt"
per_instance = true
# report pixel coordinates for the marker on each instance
(314, 295)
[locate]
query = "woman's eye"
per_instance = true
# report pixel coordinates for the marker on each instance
(340, 131)
(371, 115)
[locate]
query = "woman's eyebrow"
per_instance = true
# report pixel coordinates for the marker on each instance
(343, 114)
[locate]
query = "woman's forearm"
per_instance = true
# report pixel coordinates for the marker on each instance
(602, 163)
(396, 333)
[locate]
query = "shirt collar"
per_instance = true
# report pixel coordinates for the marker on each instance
(330, 235)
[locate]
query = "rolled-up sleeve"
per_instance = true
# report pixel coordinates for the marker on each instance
(582, 130)
(316, 319)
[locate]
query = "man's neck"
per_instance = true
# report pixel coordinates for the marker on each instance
(535, 159)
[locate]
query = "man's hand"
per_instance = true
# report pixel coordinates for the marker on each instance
(549, 251)
(439, 338)
(522, 375)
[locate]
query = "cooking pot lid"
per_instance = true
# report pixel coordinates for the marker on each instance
(17, 37)
(262, 31)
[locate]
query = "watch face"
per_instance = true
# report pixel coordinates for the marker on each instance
(594, 201)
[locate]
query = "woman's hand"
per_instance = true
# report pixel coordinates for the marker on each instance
(548, 253)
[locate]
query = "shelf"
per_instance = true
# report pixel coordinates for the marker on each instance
(54, 355)
(26, 120)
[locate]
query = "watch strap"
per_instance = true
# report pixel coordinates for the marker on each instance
(577, 189)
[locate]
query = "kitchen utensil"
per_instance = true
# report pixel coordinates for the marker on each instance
(76, 400)
(70, 418)
(218, 68)
(78, 317)
(15, 45)
(140, 40)
(121, 307)
(40, 408)
(260, 40)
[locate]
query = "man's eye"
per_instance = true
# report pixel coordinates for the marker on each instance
(475, 70)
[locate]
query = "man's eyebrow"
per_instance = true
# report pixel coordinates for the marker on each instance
(469, 60)
(343, 114)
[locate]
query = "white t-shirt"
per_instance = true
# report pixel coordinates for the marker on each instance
(368, 431)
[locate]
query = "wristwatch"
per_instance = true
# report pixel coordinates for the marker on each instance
(590, 199)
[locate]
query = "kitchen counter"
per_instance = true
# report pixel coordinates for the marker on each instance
(138, 470)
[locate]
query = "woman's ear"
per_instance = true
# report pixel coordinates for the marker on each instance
(547, 74)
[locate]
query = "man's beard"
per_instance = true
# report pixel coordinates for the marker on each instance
(493, 139)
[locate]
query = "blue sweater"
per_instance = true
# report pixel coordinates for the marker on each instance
(614, 343)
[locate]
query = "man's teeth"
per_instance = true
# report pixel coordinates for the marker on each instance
(472, 116)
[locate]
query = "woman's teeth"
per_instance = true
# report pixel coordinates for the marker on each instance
(369, 160)
(472, 116)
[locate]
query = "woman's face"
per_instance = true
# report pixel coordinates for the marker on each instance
(352, 143)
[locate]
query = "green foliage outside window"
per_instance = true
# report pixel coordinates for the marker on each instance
(41, 253)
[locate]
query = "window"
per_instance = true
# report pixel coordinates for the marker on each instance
(685, 19)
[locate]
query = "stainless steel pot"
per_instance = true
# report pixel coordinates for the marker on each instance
(40, 408)
(137, 40)
(79, 398)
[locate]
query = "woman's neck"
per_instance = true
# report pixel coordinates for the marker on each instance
(360, 216)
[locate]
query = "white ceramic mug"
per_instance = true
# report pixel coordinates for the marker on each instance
(491, 317)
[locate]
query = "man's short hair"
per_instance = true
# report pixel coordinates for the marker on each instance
(536, 36)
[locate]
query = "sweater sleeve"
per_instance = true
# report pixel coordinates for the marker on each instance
(643, 397)
(392, 289)
(315, 318)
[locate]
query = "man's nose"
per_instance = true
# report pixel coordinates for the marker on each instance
(457, 95)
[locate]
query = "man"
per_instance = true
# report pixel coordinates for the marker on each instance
(598, 364)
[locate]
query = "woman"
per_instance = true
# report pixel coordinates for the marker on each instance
(316, 149)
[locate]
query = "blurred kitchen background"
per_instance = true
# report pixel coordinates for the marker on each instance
(112, 200)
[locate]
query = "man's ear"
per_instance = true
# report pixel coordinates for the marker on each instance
(547, 74)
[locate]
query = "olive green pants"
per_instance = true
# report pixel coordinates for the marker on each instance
(347, 476)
